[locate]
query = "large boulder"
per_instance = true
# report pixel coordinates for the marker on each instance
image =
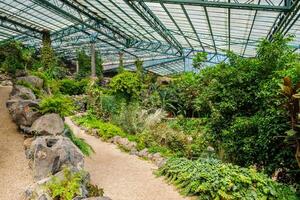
(23, 112)
(33, 80)
(39, 190)
(20, 92)
(49, 154)
(6, 83)
(49, 124)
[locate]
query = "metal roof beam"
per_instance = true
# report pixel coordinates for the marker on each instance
(19, 27)
(281, 25)
(144, 12)
(218, 4)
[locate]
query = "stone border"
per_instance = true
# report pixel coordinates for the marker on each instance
(123, 143)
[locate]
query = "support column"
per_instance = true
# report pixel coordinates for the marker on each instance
(93, 60)
(77, 66)
(121, 62)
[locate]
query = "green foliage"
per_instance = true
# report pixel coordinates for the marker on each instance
(84, 147)
(179, 96)
(105, 130)
(199, 59)
(35, 90)
(100, 104)
(242, 105)
(84, 62)
(48, 58)
(72, 87)
(62, 105)
(211, 179)
(126, 85)
(66, 188)
(14, 56)
(94, 190)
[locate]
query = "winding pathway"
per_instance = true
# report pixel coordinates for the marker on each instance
(123, 176)
(15, 175)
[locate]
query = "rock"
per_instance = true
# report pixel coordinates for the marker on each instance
(160, 163)
(6, 83)
(143, 153)
(134, 152)
(49, 124)
(23, 112)
(20, 72)
(115, 139)
(20, 92)
(4, 77)
(39, 191)
(33, 80)
(158, 159)
(95, 132)
(25, 129)
(50, 153)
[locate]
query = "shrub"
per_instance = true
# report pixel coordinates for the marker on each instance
(84, 147)
(105, 130)
(100, 104)
(66, 188)
(127, 85)
(211, 179)
(59, 104)
(133, 119)
(72, 87)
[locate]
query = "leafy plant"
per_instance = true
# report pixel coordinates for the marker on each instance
(105, 130)
(73, 87)
(94, 190)
(66, 188)
(199, 59)
(126, 85)
(211, 179)
(292, 105)
(59, 104)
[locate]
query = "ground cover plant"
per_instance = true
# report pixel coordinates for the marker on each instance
(211, 179)
(84, 147)
(62, 105)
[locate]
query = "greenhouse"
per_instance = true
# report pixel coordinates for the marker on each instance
(150, 99)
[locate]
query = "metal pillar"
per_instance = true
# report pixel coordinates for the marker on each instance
(77, 66)
(93, 60)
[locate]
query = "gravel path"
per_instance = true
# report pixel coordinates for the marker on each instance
(15, 175)
(123, 176)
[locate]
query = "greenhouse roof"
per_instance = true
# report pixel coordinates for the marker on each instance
(165, 34)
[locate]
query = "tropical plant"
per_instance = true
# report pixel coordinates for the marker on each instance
(292, 105)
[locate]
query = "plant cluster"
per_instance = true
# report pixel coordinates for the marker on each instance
(14, 56)
(105, 130)
(241, 103)
(126, 85)
(62, 105)
(66, 188)
(211, 179)
(84, 147)
(72, 87)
